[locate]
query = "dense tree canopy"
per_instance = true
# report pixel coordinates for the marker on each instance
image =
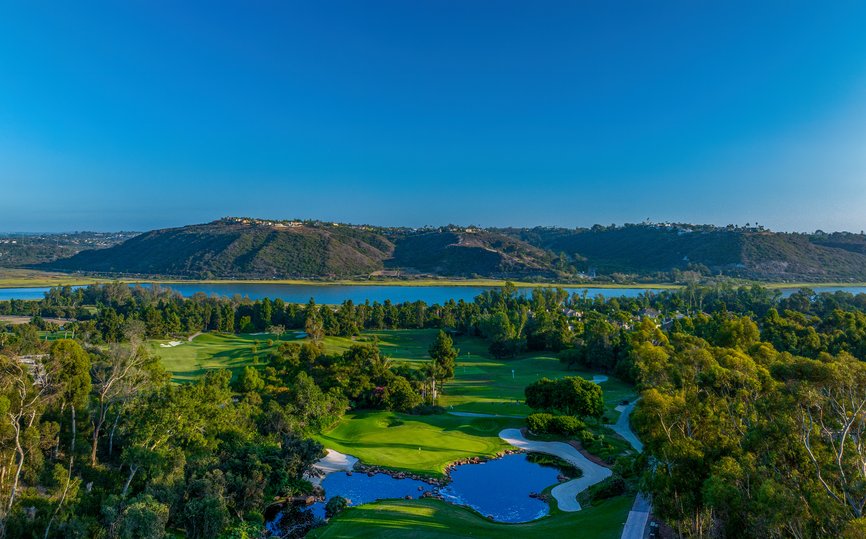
(752, 410)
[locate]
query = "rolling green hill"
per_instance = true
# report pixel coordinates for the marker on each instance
(244, 248)
(254, 248)
(474, 252)
(239, 248)
(752, 253)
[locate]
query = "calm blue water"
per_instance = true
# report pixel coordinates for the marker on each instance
(499, 488)
(828, 289)
(359, 488)
(22, 293)
(334, 294)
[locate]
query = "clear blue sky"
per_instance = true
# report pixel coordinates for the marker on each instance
(145, 114)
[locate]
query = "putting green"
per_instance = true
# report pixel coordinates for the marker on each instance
(419, 444)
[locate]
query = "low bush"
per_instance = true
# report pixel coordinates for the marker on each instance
(428, 409)
(566, 425)
(544, 423)
(586, 437)
(539, 422)
(335, 505)
(609, 488)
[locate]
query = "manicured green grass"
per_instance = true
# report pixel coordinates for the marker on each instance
(419, 444)
(481, 384)
(400, 345)
(426, 444)
(434, 518)
(191, 359)
(485, 385)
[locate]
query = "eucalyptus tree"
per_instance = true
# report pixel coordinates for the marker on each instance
(442, 354)
(120, 374)
(22, 403)
(67, 377)
(833, 430)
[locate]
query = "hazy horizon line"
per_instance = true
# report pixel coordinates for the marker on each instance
(647, 222)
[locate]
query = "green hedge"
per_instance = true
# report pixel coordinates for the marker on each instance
(544, 423)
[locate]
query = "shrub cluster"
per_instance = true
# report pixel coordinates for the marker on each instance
(335, 506)
(609, 488)
(545, 423)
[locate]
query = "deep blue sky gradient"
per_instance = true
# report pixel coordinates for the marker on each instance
(145, 114)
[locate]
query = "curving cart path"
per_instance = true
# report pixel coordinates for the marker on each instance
(635, 525)
(623, 427)
(565, 493)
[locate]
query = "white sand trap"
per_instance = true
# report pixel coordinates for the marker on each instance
(599, 378)
(170, 344)
(565, 493)
(334, 461)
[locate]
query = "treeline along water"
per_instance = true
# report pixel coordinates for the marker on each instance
(335, 294)
(331, 294)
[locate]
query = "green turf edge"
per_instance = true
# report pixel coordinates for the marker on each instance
(434, 518)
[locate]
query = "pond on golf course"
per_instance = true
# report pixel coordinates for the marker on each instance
(498, 488)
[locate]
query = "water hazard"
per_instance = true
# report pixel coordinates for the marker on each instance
(499, 489)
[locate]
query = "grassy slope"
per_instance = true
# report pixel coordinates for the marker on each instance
(190, 359)
(420, 444)
(487, 385)
(481, 385)
(400, 345)
(433, 518)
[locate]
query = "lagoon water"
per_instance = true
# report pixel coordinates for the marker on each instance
(22, 293)
(359, 488)
(501, 487)
(335, 294)
(498, 488)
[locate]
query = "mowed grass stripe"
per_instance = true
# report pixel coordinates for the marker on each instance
(436, 519)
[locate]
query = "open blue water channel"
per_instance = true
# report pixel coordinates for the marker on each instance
(334, 294)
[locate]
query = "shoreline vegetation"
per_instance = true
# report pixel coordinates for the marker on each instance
(24, 278)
